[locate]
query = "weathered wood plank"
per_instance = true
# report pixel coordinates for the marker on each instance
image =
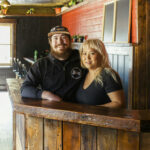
(20, 132)
(141, 73)
(148, 50)
(52, 135)
(14, 89)
(128, 120)
(14, 130)
(88, 137)
(106, 139)
(34, 133)
(71, 136)
(144, 141)
(128, 140)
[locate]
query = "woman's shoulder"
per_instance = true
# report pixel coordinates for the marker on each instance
(111, 80)
(108, 73)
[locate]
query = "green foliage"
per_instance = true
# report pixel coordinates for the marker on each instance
(30, 11)
(74, 2)
(78, 38)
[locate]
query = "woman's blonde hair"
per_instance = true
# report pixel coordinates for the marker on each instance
(99, 46)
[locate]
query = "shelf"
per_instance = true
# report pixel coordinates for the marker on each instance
(34, 15)
(75, 7)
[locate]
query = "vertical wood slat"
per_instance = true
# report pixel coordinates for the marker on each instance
(52, 135)
(88, 137)
(71, 136)
(128, 140)
(115, 62)
(148, 51)
(20, 132)
(34, 133)
(140, 72)
(106, 139)
(126, 75)
(121, 67)
(14, 130)
(145, 141)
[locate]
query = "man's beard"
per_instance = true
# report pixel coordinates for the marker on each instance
(61, 56)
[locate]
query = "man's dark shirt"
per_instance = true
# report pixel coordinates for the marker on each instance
(59, 77)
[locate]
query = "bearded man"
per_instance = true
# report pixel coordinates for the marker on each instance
(56, 76)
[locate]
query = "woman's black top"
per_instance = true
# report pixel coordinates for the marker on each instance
(95, 93)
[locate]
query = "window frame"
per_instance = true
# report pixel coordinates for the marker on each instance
(115, 22)
(12, 23)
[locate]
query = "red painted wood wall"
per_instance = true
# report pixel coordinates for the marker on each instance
(88, 20)
(134, 31)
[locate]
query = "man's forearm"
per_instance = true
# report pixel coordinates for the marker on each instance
(50, 96)
(30, 92)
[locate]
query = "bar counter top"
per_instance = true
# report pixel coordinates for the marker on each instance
(128, 120)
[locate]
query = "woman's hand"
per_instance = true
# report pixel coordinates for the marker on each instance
(50, 96)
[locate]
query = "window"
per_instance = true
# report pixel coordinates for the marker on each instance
(117, 20)
(7, 42)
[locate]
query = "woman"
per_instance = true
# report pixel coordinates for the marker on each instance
(102, 85)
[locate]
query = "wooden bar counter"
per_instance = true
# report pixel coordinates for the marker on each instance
(45, 125)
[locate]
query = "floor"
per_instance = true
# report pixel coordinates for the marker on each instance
(5, 122)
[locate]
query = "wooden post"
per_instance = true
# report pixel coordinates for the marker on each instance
(141, 68)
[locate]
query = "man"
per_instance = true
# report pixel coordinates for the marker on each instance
(56, 76)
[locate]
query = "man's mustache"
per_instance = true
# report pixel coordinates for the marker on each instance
(61, 44)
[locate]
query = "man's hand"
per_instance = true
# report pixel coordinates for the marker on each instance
(50, 96)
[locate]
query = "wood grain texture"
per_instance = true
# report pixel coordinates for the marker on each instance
(141, 69)
(52, 135)
(106, 139)
(128, 140)
(145, 141)
(82, 126)
(74, 113)
(88, 137)
(20, 132)
(71, 136)
(34, 133)
(14, 93)
(129, 120)
(148, 51)
(14, 130)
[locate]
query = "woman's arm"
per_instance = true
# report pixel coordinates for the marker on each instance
(117, 99)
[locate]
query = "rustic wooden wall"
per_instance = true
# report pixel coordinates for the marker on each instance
(32, 33)
(34, 133)
(141, 82)
(148, 50)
